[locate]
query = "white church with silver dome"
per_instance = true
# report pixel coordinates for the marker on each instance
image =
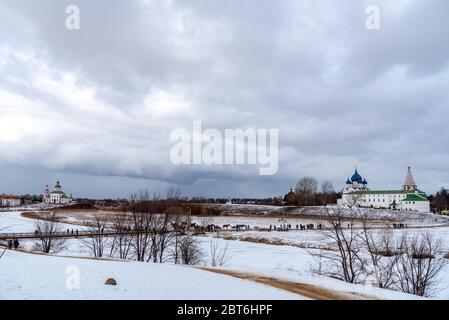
(409, 198)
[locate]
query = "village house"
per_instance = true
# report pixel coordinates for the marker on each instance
(10, 201)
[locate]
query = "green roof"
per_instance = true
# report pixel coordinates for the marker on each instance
(58, 192)
(416, 197)
(385, 192)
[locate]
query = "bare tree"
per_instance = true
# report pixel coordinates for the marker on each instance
(346, 262)
(173, 195)
(305, 191)
(156, 224)
(96, 242)
(175, 252)
(165, 224)
(47, 231)
(419, 264)
(440, 202)
(122, 240)
(152, 223)
(327, 189)
(141, 221)
(161, 235)
(218, 255)
(190, 251)
(180, 225)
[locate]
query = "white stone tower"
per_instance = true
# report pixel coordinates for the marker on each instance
(409, 184)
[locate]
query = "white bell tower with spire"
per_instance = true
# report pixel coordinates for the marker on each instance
(46, 194)
(409, 184)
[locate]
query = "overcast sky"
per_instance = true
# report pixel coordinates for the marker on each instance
(95, 107)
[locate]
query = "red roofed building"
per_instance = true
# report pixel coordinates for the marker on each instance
(10, 201)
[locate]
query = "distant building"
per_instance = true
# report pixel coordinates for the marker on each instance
(57, 196)
(11, 201)
(409, 198)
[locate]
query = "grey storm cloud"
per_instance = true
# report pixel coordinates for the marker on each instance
(98, 104)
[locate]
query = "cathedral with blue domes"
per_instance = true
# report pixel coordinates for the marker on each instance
(408, 198)
(357, 182)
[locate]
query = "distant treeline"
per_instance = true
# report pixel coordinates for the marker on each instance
(440, 201)
(78, 206)
(276, 201)
(308, 192)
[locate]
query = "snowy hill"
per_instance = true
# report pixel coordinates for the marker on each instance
(30, 276)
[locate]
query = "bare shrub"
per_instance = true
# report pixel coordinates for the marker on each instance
(419, 264)
(190, 251)
(411, 264)
(218, 254)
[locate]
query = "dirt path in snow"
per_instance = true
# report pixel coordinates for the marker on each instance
(305, 290)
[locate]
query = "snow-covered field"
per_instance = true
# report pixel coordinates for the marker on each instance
(13, 222)
(21, 278)
(264, 216)
(31, 207)
(320, 212)
(29, 276)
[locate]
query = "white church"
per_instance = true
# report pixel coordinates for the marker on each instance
(57, 196)
(409, 198)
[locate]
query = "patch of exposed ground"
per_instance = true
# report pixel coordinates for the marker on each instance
(306, 290)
